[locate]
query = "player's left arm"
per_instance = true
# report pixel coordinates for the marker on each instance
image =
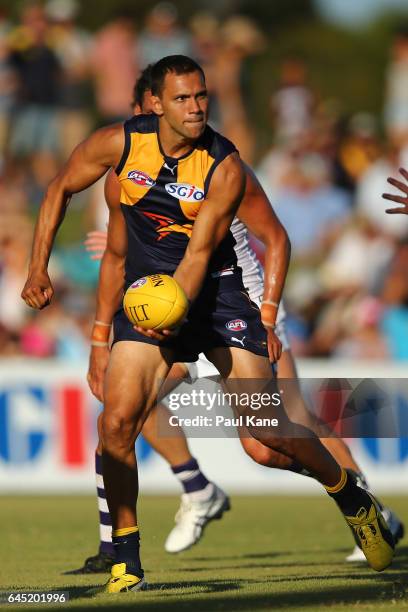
(399, 199)
(212, 224)
(256, 212)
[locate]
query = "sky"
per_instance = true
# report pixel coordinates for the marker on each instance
(357, 13)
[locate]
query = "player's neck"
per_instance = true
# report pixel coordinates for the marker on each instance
(173, 144)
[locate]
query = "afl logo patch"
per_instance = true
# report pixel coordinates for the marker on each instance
(140, 178)
(139, 283)
(185, 192)
(236, 325)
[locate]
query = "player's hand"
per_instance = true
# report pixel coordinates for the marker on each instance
(37, 292)
(98, 363)
(95, 243)
(274, 346)
(163, 334)
(400, 199)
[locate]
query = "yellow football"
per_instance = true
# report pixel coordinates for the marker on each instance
(155, 302)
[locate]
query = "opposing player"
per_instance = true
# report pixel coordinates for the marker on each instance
(159, 233)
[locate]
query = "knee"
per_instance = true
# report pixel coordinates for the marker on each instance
(264, 455)
(118, 431)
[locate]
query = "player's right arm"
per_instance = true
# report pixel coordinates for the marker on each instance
(89, 161)
(399, 199)
(110, 286)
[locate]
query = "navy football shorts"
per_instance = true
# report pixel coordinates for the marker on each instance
(217, 319)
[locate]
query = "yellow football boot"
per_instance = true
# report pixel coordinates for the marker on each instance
(121, 582)
(373, 535)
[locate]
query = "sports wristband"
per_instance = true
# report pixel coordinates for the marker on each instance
(102, 323)
(98, 343)
(270, 303)
(269, 325)
(268, 313)
(100, 333)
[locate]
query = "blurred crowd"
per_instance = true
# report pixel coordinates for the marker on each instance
(347, 291)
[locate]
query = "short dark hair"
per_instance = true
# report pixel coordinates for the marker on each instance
(179, 64)
(143, 84)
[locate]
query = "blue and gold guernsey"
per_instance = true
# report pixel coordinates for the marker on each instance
(161, 197)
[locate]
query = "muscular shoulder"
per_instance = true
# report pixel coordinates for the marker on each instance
(229, 178)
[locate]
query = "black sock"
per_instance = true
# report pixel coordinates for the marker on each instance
(361, 482)
(127, 551)
(350, 498)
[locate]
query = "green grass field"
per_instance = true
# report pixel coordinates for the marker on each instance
(268, 553)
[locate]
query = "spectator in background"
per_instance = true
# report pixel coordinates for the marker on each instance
(72, 46)
(64, 331)
(360, 148)
(395, 296)
(310, 207)
(293, 103)
(205, 29)
(35, 121)
(357, 260)
(162, 35)
(239, 39)
(8, 83)
(15, 242)
(114, 67)
(396, 99)
(356, 332)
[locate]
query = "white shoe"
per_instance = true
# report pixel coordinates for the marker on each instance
(193, 516)
(357, 556)
(396, 528)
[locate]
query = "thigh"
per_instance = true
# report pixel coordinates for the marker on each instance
(135, 373)
(254, 394)
(234, 363)
(287, 366)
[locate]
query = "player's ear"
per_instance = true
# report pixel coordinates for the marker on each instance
(157, 105)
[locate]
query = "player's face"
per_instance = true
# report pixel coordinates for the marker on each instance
(183, 104)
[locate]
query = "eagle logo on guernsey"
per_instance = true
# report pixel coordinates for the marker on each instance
(185, 192)
(141, 178)
(236, 325)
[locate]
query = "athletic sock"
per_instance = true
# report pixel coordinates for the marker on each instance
(127, 543)
(348, 496)
(190, 476)
(105, 524)
(361, 482)
(358, 478)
